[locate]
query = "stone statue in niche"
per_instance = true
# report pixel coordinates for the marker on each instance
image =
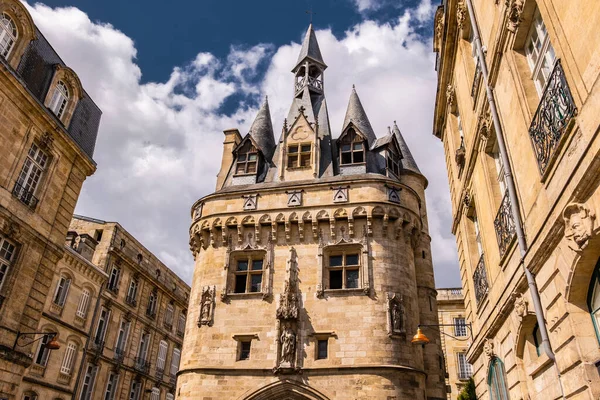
(207, 302)
(288, 346)
(579, 225)
(396, 315)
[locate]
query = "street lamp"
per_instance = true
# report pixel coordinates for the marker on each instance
(421, 339)
(51, 345)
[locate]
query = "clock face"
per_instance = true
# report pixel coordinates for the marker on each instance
(300, 133)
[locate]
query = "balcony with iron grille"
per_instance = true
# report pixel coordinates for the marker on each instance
(25, 195)
(173, 379)
(119, 355)
(150, 313)
(552, 117)
(97, 346)
(142, 365)
(131, 300)
(480, 281)
(159, 373)
(504, 225)
(180, 332)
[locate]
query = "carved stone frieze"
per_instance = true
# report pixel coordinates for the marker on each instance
(579, 225)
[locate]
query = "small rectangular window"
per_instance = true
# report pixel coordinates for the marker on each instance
(30, 176)
(299, 155)
(244, 350)
(464, 368)
(240, 284)
(322, 349)
(248, 275)
(344, 271)
(7, 250)
(460, 327)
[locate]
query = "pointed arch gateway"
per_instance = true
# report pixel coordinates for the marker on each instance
(285, 390)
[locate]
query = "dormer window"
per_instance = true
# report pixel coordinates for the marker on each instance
(8, 35)
(299, 155)
(393, 162)
(247, 160)
(352, 149)
(60, 98)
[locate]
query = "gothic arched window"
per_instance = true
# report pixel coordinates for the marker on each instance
(352, 148)
(497, 380)
(594, 300)
(8, 35)
(60, 98)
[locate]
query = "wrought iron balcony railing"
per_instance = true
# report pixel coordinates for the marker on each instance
(480, 281)
(180, 332)
(97, 345)
(141, 365)
(504, 224)
(173, 379)
(159, 373)
(25, 195)
(555, 111)
(119, 355)
(151, 313)
(131, 300)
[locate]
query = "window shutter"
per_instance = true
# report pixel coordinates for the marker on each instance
(155, 394)
(67, 363)
(162, 355)
(65, 291)
(83, 303)
(175, 361)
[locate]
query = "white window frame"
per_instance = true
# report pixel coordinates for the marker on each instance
(69, 359)
(60, 99)
(181, 323)
(499, 169)
(152, 300)
(134, 392)
(175, 358)
(460, 326)
(155, 394)
(33, 168)
(143, 347)
(169, 313)
(62, 290)
(111, 386)
(132, 290)
(477, 235)
(541, 59)
(8, 35)
(465, 371)
(7, 253)
(84, 302)
(43, 353)
(123, 335)
(89, 380)
(102, 325)
(114, 278)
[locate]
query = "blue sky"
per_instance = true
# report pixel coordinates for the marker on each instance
(170, 79)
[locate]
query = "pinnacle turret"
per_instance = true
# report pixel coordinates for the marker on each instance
(310, 49)
(356, 114)
(262, 131)
(408, 162)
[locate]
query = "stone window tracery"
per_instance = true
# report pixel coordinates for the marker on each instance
(299, 155)
(8, 35)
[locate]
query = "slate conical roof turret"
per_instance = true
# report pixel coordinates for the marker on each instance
(356, 114)
(262, 131)
(408, 162)
(310, 49)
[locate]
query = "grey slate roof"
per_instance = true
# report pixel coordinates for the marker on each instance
(356, 114)
(36, 69)
(408, 162)
(310, 48)
(262, 131)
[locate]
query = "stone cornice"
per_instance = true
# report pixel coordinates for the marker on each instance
(349, 369)
(85, 267)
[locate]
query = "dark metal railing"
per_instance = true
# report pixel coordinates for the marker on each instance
(150, 313)
(119, 355)
(98, 345)
(504, 224)
(480, 281)
(159, 373)
(552, 117)
(141, 365)
(26, 196)
(131, 300)
(173, 379)
(180, 332)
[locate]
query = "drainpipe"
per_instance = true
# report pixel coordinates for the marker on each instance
(512, 194)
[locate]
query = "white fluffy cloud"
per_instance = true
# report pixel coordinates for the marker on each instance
(159, 145)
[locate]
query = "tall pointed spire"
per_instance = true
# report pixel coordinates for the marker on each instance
(408, 162)
(356, 114)
(310, 49)
(262, 131)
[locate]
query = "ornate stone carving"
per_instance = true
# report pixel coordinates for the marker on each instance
(467, 202)
(579, 225)
(197, 212)
(521, 306)
(288, 346)
(461, 14)
(10, 229)
(488, 348)
(207, 305)
(340, 194)
(396, 315)
(439, 30)
(393, 194)
(450, 96)
(250, 201)
(46, 140)
(294, 198)
(514, 9)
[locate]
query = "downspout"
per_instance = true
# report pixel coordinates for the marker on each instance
(512, 194)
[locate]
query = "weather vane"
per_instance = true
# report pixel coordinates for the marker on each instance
(311, 13)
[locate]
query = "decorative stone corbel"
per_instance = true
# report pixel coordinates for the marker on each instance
(332, 228)
(450, 97)
(301, 228)
(488, 348)
(521, 306)
(514, 10)
(240, 235)
(315, 229)
(274, 231)
(579, 226)
(461, 14)
(288, 232)
(386, 219)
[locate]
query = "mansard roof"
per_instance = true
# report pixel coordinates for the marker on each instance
(408, 161)
(262, 131)
(356, 114)
(310, 49)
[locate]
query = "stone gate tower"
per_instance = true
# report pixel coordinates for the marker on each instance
(313, 261)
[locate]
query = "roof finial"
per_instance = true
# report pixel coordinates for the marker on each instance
(353, 87)
(394, 122)
(266, 97)
(311, 13)
(389, 130)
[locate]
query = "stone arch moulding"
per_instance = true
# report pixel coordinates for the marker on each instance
(288, 389)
